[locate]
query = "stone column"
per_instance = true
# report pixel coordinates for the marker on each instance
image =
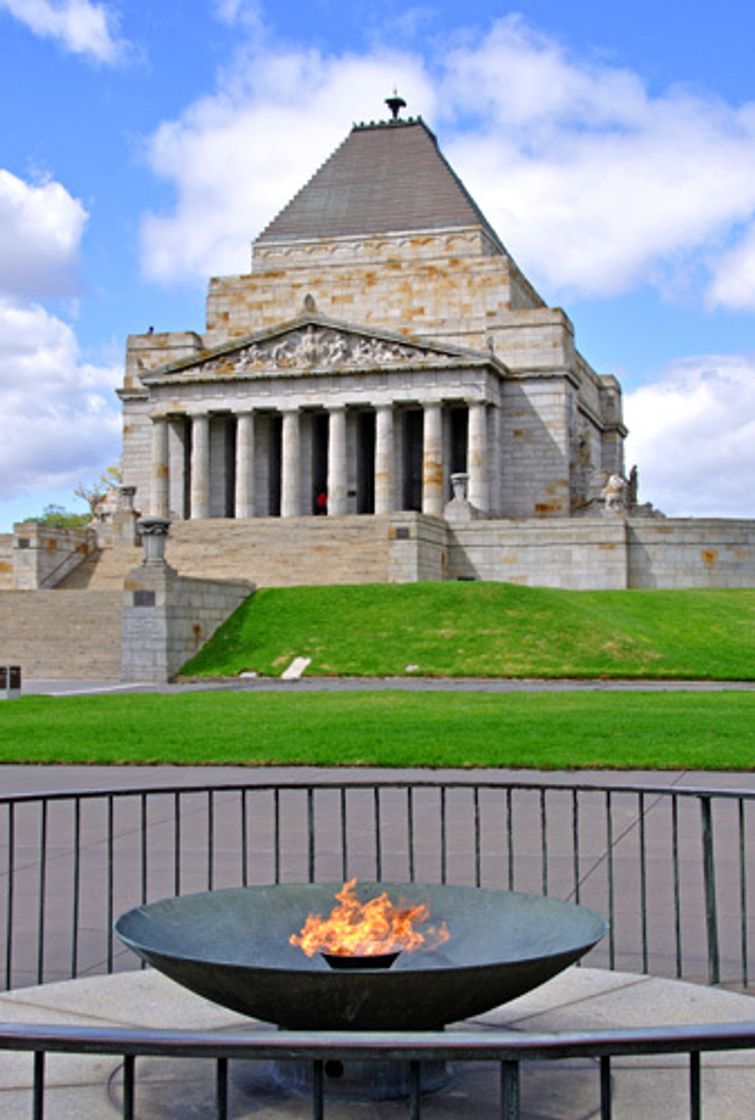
(290, 488)
(495, 503)
(200, 466)
(385, 482)
(244, 497)
(177, 466)
(432, 460)
(477, 455)
(337, 482)
(159, 503)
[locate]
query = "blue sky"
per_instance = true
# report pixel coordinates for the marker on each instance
(142, 147)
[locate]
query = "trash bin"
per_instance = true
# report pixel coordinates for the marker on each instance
(10, 682)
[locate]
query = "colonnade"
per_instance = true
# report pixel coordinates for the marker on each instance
(389, 463)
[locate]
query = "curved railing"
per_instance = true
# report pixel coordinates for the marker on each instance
(669, 867)
(508, 1050)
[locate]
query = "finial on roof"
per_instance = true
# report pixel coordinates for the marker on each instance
(395, 104)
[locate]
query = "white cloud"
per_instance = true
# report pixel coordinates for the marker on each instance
(594, 184)
(733, 283)
(693, 434)
(78, 25)
(40, 232)
(59, 419)
(238, 156)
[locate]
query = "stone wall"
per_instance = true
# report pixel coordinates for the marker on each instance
(606, 552)
(535, 448)
(417, 548)
(574, 553)
(691, 552)
(600, 553)
(6, 561)
(443, 284)
(43, 555)
(167, 619)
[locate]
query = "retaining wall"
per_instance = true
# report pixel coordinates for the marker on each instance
(167, 619)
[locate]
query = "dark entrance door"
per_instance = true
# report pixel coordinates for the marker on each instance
(412, 497)
(366, 462)
(276, 459)
(319, 462)
(229, 501)
(459, 428)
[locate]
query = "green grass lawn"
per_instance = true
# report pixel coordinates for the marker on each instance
(642, 730)
(487, 630)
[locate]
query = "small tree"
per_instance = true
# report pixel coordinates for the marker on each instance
(60, 518)
(93, 493)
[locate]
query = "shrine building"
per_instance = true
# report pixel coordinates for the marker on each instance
(386, 369)
(383, 341)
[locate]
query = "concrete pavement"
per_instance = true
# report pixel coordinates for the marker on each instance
(378, 684)
(90, 1087)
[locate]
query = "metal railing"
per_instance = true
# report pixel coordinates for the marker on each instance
(669, 868)
(323, 1049)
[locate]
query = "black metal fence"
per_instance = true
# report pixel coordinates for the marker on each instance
(667, 867)
(322, 1048)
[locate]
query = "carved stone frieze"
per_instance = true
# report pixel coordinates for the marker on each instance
(369, 248)
(314, 347)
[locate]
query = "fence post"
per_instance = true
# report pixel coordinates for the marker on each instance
(509, 1090)
(709, 875)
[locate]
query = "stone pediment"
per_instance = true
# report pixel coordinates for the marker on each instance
(316, 345)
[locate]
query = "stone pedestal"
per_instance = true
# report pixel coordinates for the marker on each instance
(166, 618)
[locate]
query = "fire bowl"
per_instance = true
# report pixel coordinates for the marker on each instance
(231, 946)
(377, 960)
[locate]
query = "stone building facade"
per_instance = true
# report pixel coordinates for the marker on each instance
(384, 396)
(383, 341)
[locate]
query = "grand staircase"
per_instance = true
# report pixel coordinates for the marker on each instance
(74, 630)
(57, 634)
(270, 551)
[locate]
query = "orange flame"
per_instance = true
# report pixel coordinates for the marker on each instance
(367, 929)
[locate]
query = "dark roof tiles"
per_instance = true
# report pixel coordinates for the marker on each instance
(384, 177)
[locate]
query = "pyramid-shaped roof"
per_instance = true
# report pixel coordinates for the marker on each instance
(384, 177)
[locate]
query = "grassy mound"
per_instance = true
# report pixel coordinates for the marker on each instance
(487, 630)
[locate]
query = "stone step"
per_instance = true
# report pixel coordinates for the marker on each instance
(56, 634)
(275, 552)
(103, 570)
(270, 551)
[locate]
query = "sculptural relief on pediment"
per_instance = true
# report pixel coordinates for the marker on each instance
(316, 347)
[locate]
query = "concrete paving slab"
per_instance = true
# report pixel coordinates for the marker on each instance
(170, 1089)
